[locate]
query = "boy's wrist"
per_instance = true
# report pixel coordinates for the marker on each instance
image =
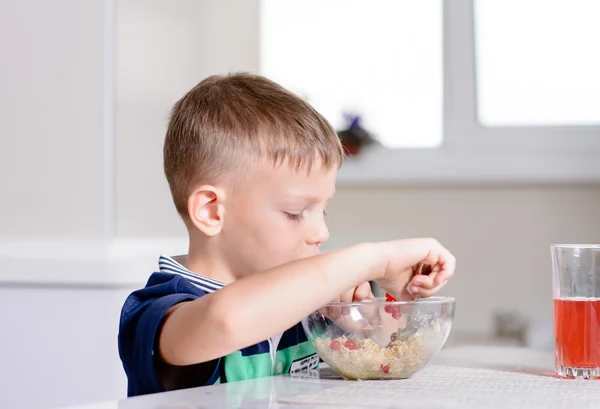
(375, 253)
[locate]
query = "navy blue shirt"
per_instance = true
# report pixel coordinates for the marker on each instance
(141, 322)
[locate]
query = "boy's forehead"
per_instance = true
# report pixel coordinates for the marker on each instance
(313, 183)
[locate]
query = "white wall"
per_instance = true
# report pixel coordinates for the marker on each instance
(51, 118)
(53, 169)
(59, 346)
(164, 49)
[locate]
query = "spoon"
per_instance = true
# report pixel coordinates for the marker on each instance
(412, 324)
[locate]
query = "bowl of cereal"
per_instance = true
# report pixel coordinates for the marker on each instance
(380, 339)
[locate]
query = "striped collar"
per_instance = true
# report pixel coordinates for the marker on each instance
(168, 265)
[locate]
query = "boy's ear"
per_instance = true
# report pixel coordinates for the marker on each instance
(206, 210)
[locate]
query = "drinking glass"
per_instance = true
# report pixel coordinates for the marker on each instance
(576, 282)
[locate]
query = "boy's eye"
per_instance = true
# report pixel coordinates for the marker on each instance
(295, 217)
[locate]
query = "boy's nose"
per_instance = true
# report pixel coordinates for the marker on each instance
(318, 235)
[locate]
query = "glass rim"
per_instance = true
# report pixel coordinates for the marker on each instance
(382, 301)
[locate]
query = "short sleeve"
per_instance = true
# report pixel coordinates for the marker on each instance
(141, 321)
(146, 340)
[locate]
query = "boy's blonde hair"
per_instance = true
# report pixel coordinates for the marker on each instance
(226, 120)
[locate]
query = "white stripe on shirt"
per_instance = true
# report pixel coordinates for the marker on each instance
(169, 266)
(168, 261)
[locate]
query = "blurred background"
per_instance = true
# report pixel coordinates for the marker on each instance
(472, 121)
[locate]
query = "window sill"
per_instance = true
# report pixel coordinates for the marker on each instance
(380, 166)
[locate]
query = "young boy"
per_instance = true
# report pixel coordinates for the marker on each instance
(251, 168)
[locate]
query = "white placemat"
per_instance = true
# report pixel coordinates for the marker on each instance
(447, 387)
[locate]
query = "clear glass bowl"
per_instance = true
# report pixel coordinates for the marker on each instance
(379, 339)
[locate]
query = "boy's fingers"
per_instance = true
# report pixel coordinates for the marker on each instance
(447, 269)
(440, 257)
(362, 292)
(426, 282)
(426, 286)
(347, 296)
(444, 276)
(429, 292)
(333, 313)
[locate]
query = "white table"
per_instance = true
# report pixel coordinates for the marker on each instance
(459, 378)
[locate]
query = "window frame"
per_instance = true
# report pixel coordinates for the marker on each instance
(472, 152)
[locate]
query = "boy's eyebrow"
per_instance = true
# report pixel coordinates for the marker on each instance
(308, 198)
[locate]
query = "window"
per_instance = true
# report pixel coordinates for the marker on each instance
(537, 62)
(481, 91)
(379, 59)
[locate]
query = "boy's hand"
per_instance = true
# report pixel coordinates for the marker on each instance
(356, 294)
(402, 258)
(359, 293)
(340, 315)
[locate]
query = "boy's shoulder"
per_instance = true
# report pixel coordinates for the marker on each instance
(173, 281)
(171, 284)
(142, 316)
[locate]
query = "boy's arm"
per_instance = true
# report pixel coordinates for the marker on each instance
(262, 304)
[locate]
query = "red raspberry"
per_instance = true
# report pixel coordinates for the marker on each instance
(335, 345)
(389, 309)
(385, 368)
(350, 344)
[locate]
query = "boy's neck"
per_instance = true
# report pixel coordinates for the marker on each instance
(202, 261)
